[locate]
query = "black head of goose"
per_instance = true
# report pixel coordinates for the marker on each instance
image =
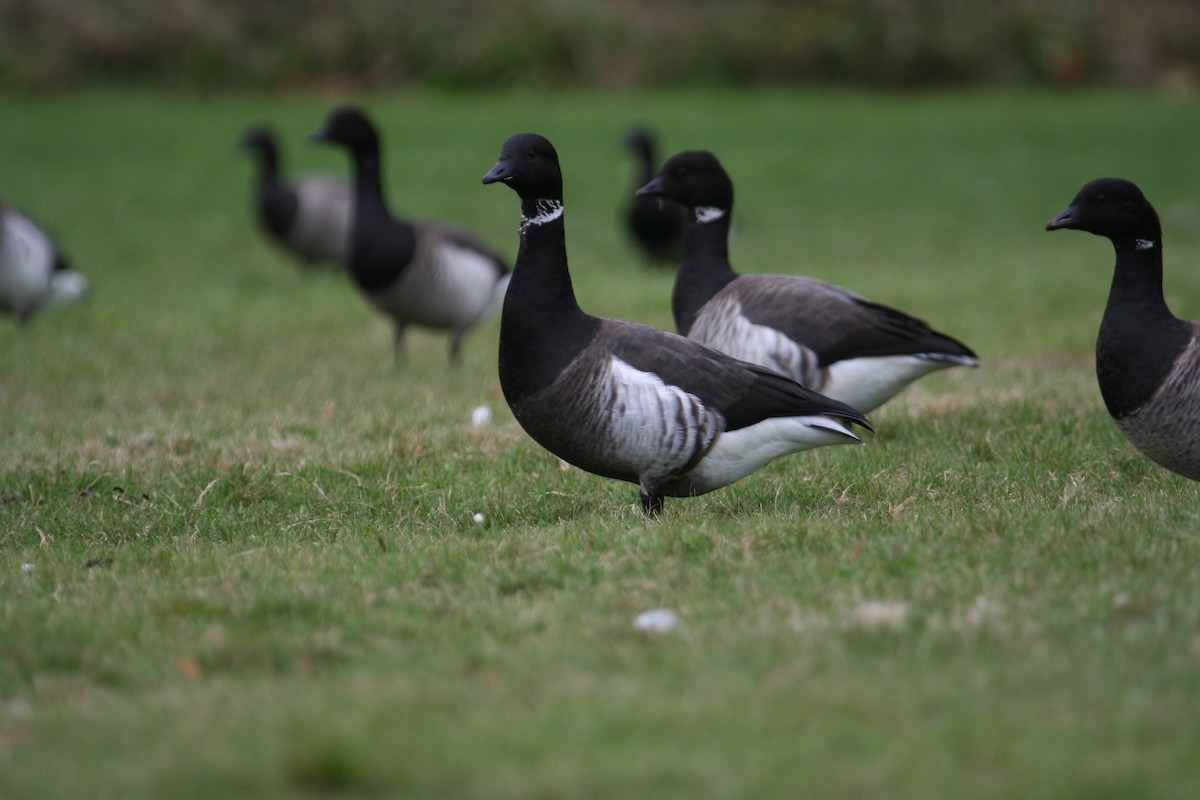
(656, 228)
(34, 275)
(309, 216)
(433, 275)
(627, 401)
(823, 336)
(1147, 360)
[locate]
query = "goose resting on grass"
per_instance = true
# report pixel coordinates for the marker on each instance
(34, 275)
(655, 227)
(627, 401)
(309, 216)
(820, 335)
(1147, 360)
(416, 273)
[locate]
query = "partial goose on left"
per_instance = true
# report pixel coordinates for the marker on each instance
(416, 273)
(626, 401)
(825, 337)
(309, 215)
(33, 273)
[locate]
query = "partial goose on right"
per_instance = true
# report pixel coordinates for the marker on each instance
(824, 337)
(416, 273)
(309, 215)
(1147, 359)
(34, 274)
(626, 401)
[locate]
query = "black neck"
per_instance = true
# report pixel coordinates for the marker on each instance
(646, 163)
(541, 282)
(541, 325)
(277, 204)
(705, 268)
(1139, 336)
(382, 246)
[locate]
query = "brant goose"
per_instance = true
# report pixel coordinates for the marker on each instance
(822, 336)
(655, 227)
(309, 215)
(627, 401)
(417, 273)
(1147, 360)
(33, 273)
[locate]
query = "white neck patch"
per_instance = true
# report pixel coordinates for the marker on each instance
(708, 214)
(1144, 244)
(547, 211)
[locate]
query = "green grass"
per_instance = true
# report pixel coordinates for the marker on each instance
(254, 566)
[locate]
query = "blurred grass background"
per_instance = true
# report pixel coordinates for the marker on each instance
(388, 44)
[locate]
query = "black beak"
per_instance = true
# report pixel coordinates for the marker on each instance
(498, 173)
(652, 189)
(1063, 220)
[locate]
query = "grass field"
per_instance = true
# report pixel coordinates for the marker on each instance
(253, 568)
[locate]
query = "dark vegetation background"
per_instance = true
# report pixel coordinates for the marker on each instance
(388, 44)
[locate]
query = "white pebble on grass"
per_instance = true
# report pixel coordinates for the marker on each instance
(656, 620)
(881, 614)
(480, 416)
(27, 567)
(478, 519)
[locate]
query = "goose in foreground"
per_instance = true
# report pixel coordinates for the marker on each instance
(309, 216)
(822, 336)
(1147, 360)
(33, 273)
(627, 401)
(655, 227)
(417, 273)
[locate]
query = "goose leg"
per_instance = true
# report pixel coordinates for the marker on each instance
(456, 340)
(652, 504)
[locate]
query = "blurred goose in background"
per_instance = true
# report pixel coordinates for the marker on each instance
(626, 401)
(416, 273)
(655, 227)
(34, 275)
(309, 216)
(1147, 360)
(822, 336)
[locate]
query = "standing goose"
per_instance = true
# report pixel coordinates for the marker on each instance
(824, 337)
(309, 215)
(33, 273)
(1147, 360)
(655, 227)
(626, 401)
(417, 273)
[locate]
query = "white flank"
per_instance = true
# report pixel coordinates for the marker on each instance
(448, 286)
(1144, 244)
(65, 286)
(658, 427)
(547, 211)
(26, 263)
(867, 383)
(738, 453)
(721, 326)
(706, 214)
